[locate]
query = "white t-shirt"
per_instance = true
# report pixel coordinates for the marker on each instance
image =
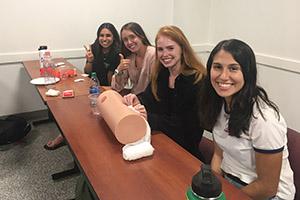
(266, 135)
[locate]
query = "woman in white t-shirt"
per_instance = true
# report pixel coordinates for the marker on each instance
(248, 131)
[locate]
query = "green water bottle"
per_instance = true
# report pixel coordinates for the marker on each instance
(205, 185)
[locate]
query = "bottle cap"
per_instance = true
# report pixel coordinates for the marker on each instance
(93, 74)
(43, 47)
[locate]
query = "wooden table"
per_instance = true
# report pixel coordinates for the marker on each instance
(80, 88)
(165, 175)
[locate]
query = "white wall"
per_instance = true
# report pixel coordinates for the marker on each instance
(63, 25)
(270, 26)
(66, 25)
(272, 29)
(193, 17)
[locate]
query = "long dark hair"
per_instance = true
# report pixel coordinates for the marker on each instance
(136, 29)
(115, 47)
(243, 101)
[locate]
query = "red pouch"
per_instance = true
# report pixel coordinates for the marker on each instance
(68, 94)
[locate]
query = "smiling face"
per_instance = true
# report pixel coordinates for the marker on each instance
(168, 52)
(131, 41)
(226, 75)
(105, 38)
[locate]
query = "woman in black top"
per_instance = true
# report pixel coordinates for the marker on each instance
(171, 98)
(103, 55)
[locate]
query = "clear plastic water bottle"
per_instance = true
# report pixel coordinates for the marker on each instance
(44, 54)
(48, 70)
(94, 93)
(95, 84)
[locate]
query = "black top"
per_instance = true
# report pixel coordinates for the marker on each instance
(176, 112)
(103, 63)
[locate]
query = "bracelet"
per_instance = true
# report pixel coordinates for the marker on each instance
(117, 72)
(89, 62)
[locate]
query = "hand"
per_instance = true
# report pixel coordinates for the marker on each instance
(142, 110)
(131, 100)
(89, 55)
(124, 63)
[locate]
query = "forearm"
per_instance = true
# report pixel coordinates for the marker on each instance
(268, 167)
(217, 159)
(88, 67)
(216, 165)
(259, 190)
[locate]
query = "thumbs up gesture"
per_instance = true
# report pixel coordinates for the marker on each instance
(124, 63)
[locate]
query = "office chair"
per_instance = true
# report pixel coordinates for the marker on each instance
(294, 152)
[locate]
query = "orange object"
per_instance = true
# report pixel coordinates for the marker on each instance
(127, 125)
(65, 71)
(71, 72)
(48, 71)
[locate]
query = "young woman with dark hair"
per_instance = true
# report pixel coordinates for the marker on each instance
(103, 56)
(136, 60)
(248, 131)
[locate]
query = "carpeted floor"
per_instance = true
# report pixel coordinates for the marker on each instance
(26, 168)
